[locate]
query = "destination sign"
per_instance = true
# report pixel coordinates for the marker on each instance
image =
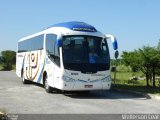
(85, 29)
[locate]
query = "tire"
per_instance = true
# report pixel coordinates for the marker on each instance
(48, 88)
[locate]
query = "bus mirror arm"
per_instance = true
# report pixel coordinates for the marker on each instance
(116, 54)
(114, 43)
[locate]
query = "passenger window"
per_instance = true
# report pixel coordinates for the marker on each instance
(52, 48)
(31, 44)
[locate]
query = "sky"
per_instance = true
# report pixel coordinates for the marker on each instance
(134, 23)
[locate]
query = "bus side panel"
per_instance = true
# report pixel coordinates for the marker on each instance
(19, 63)
(33, 64)
(54, 73)
(50, 70)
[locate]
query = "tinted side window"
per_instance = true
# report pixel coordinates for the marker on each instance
(50, 43)
(52, 48)
(35, 43)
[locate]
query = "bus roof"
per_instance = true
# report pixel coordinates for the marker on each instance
(76, 26)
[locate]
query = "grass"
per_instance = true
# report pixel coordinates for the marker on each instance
(123, 81)
(123, 77)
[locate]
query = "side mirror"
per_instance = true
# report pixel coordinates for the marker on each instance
(116, 54)
(114, 41)
(59, 40)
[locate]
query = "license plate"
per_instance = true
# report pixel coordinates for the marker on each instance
(88, 86)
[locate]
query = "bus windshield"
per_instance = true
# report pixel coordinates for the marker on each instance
(85, 50)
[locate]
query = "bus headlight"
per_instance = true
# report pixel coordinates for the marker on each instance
(106, 79)
(67, 79)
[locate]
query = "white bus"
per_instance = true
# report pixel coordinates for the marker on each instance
(70, 56)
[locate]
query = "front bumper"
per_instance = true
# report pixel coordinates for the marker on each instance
(82, 85)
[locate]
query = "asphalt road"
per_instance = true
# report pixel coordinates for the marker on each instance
(16, 98)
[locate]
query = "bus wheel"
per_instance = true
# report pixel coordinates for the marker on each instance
(24, 81)
(46, 86)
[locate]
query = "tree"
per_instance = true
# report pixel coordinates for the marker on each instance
(145, 59)
(131, 59)
(0, 59)
(151, 59)
(8, 59)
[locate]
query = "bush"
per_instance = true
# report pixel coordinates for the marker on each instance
(8, 59)
(6, 67)
(0, 59)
